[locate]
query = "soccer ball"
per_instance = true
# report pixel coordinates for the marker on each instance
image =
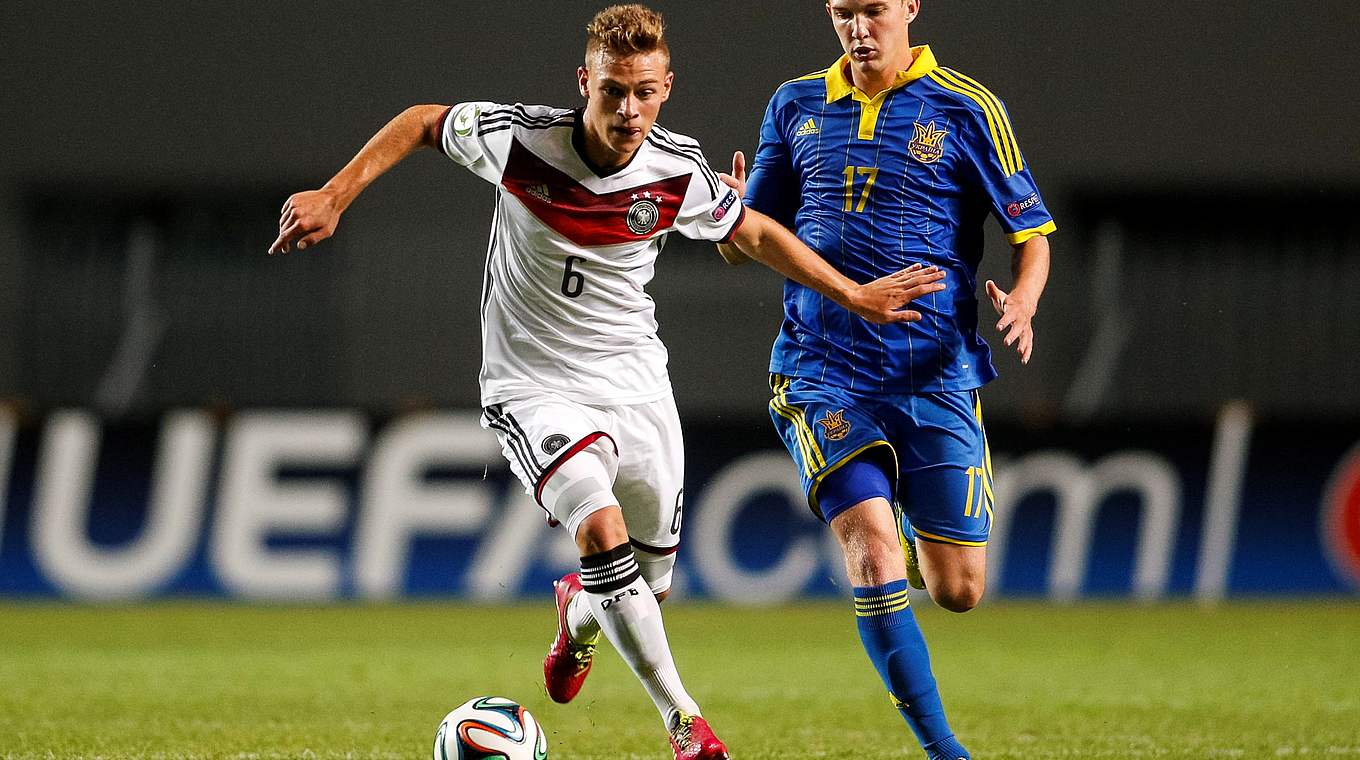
(490, 727)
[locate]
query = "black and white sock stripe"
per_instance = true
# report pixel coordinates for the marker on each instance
(609, 571)
(498, 419)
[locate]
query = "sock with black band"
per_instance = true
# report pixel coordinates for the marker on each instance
(631, 620)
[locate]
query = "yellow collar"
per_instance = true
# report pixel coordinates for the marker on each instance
(838, 84)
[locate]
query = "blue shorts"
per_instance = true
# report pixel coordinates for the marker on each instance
(935, 444)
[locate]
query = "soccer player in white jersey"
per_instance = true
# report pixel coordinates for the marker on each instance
(573, 377)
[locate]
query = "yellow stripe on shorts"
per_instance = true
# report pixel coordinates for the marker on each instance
(812, 453)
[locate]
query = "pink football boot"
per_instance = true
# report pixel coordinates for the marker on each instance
(692, 739)
(568, 663)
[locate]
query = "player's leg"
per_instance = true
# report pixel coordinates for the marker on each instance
(579, 492)
(542, 438)
(631, 618)
(947, 494)
(955, 575)
(650, 488)
(867, 532)
(628, 611)
(577, 619)
(848, 471)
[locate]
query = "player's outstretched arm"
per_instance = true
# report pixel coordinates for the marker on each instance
(881, 301)
(1029, 267)
(311, 216)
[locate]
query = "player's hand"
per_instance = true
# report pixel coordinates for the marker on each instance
(307, 218)
(1017, 315)
(737, 179)
(881, 301)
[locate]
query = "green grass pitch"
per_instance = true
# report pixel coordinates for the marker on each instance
(202, 680)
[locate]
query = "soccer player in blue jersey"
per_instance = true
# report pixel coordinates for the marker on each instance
(885, 159)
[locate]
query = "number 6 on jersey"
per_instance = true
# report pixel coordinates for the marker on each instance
(573, 282)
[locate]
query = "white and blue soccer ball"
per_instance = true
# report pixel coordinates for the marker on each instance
(487, 728)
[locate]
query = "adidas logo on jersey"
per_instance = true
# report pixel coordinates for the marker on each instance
(809, 128)
(540, 192)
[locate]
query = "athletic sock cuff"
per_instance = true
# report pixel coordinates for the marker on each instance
(881, 605)
(610, 570)
(947, 748)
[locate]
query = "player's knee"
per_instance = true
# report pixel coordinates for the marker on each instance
(868, 538)
(958, 595)
(579, 493)
(600, 531)
(874, 560)
(657, 569)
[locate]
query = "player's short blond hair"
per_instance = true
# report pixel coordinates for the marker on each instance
(624, 30)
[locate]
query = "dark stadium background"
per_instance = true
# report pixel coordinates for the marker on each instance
(246, 510)
(1200, 159)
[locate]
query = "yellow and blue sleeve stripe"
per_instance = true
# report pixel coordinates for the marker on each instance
(998, 122)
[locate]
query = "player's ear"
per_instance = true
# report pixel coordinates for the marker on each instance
(913, 8)
(666, 86)
(583, 81)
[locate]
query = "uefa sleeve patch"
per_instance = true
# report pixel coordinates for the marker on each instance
(466, 119)
(728, 201)
(1017, 208)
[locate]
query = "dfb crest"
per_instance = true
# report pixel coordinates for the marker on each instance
(643, 216)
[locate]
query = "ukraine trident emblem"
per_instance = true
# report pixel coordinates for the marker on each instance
(927, 145)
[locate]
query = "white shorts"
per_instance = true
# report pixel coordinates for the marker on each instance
(538, 434)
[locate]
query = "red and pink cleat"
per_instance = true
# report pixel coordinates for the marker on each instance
(692, 739)
(568, 663)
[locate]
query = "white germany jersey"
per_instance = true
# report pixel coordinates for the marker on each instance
(563, 303)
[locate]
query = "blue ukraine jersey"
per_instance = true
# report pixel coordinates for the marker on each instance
(875, 185)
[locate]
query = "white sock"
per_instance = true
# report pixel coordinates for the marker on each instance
(631, 619)
(581, 622)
